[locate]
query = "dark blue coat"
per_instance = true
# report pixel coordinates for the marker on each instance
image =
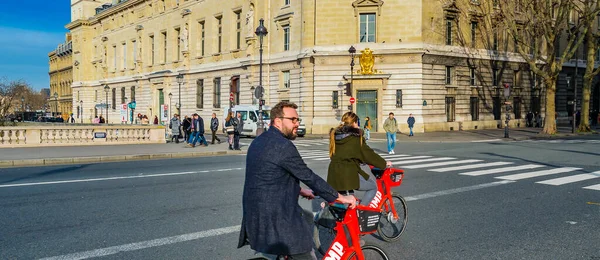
(272, 220)
(410, 121)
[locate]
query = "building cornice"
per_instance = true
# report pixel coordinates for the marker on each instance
(115, 9)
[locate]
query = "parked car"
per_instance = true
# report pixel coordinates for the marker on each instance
(301, 129)
(250, 117)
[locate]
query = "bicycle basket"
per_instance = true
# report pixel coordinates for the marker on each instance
(368, 220)
(396, 178)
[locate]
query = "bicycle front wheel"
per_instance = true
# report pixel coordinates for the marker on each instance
(323, 238)
(370, 253)
(391, 228)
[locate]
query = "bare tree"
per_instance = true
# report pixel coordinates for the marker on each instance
(538, 26)
(11, 93)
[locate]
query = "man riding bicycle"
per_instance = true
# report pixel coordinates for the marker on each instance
(273, 222)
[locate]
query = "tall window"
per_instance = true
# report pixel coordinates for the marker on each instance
(472, 77)
(367, 27)
(495, 39)
(449, 31)
(494, 77)
(398, 98)
(114, 98)
(474, 108)
(286, 2)
(335, 99)
(152, 49)
(134, 43)
(286, 38)
(473, 34)
(123, 95)
(132, 90)
(164, 35)
(200, 93)
(286, 79)
(448, 76)
(202, 31)
(238, 29)
(497, 109)
(517, 37)
(219, 33)
(124, 55)
(217, 93)
(115, 57)
(450, 109)
(178, 33)
(517, 107)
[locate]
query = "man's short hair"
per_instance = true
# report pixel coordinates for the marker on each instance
(391, 113)
(277, 110)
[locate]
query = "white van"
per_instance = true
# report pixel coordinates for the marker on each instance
(250, 117)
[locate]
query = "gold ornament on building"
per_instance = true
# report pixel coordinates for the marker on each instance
(367, 61)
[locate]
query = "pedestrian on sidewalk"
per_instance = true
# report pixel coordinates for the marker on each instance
(175, 128)
(367, 128)
(187, 122)
(391, 127)
(238, 127)
(530, 119)
(156, 120)
(229, 129)
(214, 126)
(201, 138)
(195, 129)
(411, 124)
(145, 120)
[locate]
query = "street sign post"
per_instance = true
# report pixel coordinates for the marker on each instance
(352, 100)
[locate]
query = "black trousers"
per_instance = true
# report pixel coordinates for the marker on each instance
(215, 137)
(236, 141)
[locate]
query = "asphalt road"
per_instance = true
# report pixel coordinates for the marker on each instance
(191, 208)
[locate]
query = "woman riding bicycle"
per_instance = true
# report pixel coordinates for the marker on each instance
(347, 150)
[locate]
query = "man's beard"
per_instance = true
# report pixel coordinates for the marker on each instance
(289, 133)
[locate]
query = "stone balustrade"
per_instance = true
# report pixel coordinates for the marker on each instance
(74, 135)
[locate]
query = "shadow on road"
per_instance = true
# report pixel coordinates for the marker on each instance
(48, 173)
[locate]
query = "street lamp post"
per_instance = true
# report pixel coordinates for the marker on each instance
(170, 96)
(81, 110)
(179, 81)
(575, 89)
(55, 102)
(22, 109)
(508, 108)
(261, 32)
(352, 52)
(106, 89)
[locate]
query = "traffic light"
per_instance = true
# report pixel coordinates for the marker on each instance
(348, 90)
(261, 102)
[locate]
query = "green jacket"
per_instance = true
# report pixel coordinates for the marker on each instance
(390, 126)
(344, 167)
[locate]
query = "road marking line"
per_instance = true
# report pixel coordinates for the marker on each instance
(499, 170)
(593, 187)
(593, 203)
(409, 158)
(227, 230)
(485, 141)
(387, 156)
(146, 244)
(114, 178)
(420, 166)
(425, 160)
(472, 166)
(571, 179)
(457, 190)
(527, 175)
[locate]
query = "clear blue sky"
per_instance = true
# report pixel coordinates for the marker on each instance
(29, 30)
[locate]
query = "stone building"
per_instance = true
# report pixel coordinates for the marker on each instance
(410, 58)
(61, 78)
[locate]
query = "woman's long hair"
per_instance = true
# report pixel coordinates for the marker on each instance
(348, 119)
(229, 116)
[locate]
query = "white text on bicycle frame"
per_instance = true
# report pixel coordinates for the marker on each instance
(336, 252)
(376, 200)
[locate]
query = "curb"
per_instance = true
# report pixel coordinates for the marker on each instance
(109, 158)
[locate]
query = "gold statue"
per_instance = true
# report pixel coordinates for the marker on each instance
(367, 61)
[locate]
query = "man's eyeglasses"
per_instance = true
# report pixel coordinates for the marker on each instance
(294, 119)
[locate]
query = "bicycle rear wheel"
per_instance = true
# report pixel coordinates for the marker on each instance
(391, 228)
(370, 253)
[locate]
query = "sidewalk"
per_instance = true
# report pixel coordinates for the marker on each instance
(12, 157)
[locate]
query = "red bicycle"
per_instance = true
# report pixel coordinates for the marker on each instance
(350, 225)
(391, 211)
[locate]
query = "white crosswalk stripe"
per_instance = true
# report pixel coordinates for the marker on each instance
(593, 187)
(571, 179)
(429, 165)
(526, 175)
(395, 160)
(391, 157)
(472, 166)
(423, 160)
(500, 170)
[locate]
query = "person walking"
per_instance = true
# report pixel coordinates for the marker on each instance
(214, 126)
(229, 128)
(273, 223)
(201, 138)
(411, 124)
(238, 127)
(175, 128)
(187, 122)
(367, 128)
(156, 120)
(194, 128)
(391, 127)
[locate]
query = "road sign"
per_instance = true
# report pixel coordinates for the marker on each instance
(352, 100)
(258, 92)
(123, 112)
(231, 96)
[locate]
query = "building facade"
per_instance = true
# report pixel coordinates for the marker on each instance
(61, 78)
(418, 63)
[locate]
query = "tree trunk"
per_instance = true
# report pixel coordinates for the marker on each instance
(549, 120)
(588, 78)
